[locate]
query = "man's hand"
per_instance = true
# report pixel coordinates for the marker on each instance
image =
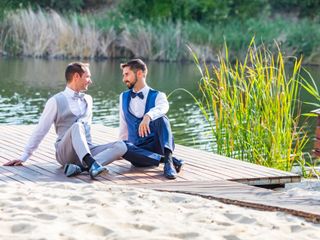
(15, 162)
(144, 129)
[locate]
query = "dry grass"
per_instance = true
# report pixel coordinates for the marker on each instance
(48, 34)
(40, 34)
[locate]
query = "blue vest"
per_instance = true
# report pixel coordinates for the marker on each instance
(132, 121)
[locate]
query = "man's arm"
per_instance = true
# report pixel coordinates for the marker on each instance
(160, 109)
(47, 117)
(123, 127)
(144, 129)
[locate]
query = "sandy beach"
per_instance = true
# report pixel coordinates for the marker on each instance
(87, 211)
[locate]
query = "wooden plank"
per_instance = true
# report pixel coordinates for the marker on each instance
(200, 165)
(112, 167)
(219, 167)
(11, 175)
(246, 196)
(317, 144)
(115, 168)
(49, 172)
(317, 132)
(40, 155)
(230, 163)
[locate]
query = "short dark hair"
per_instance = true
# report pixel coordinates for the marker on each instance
(135, 65)
(75, 67)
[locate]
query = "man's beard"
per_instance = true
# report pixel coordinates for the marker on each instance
(133, 84)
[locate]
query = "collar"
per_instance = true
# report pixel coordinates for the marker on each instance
(70, 93)
(144, 90)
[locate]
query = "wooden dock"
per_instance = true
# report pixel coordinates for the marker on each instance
(204, 174)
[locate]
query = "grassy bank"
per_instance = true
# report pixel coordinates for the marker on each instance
(110, 35)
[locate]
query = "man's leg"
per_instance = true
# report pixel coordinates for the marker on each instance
(107, 153)
(164, 144)
(163, 135)
(65, 150)
(140, 157)
(161, 141)
(73, 148)
(165, 141)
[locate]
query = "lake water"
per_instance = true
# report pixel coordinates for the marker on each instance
(26, 84)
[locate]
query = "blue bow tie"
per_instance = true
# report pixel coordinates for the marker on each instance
(77, 96)
(139, 94)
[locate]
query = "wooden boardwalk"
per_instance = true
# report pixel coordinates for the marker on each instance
(204, 174)
(243, 195)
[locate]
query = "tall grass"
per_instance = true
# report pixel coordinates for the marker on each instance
(48, 34)
(40, 34)
(253, 108)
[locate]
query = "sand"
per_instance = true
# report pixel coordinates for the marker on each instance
(88, 211)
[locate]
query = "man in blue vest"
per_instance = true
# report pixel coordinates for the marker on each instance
(71, 113)
(144, 127)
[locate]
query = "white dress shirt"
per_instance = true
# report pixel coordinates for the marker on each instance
(77, 107)
(137, 108)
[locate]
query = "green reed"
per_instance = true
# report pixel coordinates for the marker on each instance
(253, 108)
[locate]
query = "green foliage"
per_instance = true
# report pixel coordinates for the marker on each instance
(59, 5)
(306, 8)
(304, 38)
(204, 11)
(214, 11)
(197, 33)
(197, 10)
(252, 108)
(246, 9)
(112, 19)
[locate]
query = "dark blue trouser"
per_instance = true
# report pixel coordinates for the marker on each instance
(147, 151)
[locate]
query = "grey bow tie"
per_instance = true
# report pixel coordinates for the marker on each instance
(77, 95)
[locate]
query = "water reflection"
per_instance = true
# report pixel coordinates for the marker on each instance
(26, 84)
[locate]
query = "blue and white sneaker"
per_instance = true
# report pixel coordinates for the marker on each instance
(96, 169)
(71, 170)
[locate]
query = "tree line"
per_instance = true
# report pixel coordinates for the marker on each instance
(204, 11)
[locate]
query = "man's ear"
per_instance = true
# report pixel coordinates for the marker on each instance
(76, 76)
(140, 73)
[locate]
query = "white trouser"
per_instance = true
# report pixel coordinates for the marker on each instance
(73, 147)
